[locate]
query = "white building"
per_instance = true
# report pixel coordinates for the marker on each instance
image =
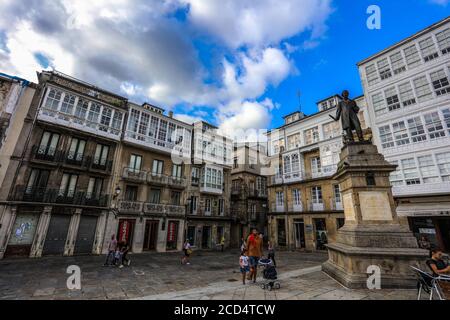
(408, 94)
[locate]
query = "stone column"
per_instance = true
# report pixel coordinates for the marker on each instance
(100, 233)
(138, 237)
(161, 245)
(111, 225)
(72, 234)
(7, 222)
(41, 233)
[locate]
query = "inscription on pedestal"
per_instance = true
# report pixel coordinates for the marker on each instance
(349, 208)
(375, 206)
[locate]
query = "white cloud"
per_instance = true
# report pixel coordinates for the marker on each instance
(259, 23)
(440, 2)
(136, 48)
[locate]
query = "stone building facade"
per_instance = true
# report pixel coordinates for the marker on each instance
(57, 196)
(248, 191)
(305, 205)
(208, 192)
(151, 177)
(407, 88)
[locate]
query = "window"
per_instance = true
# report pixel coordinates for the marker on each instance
(443, 161)
(400, 133)
(68, 185)
(37, 182)
(280, 199)
(194, 201)
(177, 171)
(158, 167)
(133, 122)
(153, 127)
(410, 171)
(135, 163)
(81, 110)
(207, 206)
(443, 39)
(387, 140)
(295, 162)
(428, 169)
(76, 150)
(117, 120)
(101, 155)
(172, 133)
(434, 126)
(446, 114)
(379, 104)
(222, 207)
(287, 164)
(396, 177)
(94, 113)
(143, 125)
(195, 176)
(261, 185)
(392, 100)
(423, 90)
(331, 130)
(440, 82)
(175, 198)
(162, 135)
(316, 193)
(384, 69)
(293, 141)
(316, 166)
(296, 197)
(337, 193)
(53, 99)
(312, 136)
(94, 189)
(155, 196)
(428, 49)
(105, 120)
(371, 73)
(68, 104)
(406, 94)
(416, 129)
(398, 65)
(48, 145)
(412, 56)
(131, 193)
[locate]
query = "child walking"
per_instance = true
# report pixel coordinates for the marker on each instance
(244, 265)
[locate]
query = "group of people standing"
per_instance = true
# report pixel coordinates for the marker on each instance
(251, 252)
(117, 253)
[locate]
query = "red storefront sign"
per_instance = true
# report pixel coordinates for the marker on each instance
(172, 232)
(125, 229)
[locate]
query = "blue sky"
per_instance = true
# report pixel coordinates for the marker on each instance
(235, 63)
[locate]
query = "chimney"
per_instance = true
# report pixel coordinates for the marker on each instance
(170, 114)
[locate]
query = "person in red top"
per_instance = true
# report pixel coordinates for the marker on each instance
(255, 252)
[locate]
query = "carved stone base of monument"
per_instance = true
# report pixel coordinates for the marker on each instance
(372, 235)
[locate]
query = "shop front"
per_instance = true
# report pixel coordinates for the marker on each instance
(22, 236)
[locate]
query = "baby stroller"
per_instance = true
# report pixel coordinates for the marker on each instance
(269, 275)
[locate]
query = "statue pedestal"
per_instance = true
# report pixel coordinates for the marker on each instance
(372, 234)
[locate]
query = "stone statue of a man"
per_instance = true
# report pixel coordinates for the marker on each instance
(347, 112)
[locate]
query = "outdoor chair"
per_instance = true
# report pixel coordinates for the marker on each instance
(429, 283)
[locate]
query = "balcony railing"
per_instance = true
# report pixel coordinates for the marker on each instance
(156, 178)
(55, 196)
(127, 206)
(46, 154)
(277, 208)
(257, 193)
(337, 205)
(293, 207)
(134, 175)
(213, 212)
(316, 206)
(177, 182)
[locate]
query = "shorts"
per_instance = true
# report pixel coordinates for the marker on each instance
(245, 269)
(253, 261)
(186, 253)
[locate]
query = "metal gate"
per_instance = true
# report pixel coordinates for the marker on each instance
(56, 235)
(86, 235)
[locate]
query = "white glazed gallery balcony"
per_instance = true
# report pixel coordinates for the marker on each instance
(81, 114)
